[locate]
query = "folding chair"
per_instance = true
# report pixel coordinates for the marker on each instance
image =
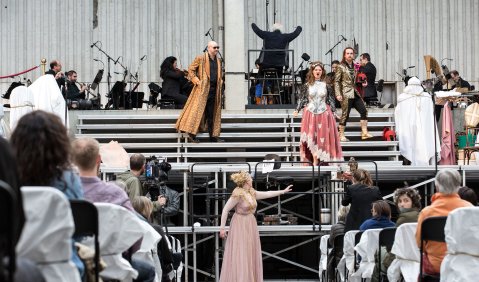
(386, 239)
(85, 216)
(357, 238)
(432, 229)
(7, 229)
(338, 244)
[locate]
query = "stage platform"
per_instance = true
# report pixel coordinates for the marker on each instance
(249, 136)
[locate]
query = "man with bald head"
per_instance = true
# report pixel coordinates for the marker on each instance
(204, 102)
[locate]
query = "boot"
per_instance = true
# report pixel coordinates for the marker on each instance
(364, 130)
(342, 137)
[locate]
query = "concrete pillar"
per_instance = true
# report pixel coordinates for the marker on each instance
(235, 55)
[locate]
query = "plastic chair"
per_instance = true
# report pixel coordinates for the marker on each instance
(85, 216)
(8, 203)
(386, 239)
(432, 229)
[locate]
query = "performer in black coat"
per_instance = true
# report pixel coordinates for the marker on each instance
(360, 195)
(173, 81)
(370, 93)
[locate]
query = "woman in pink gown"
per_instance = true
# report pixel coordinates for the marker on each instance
(242, 261)
(319, 141)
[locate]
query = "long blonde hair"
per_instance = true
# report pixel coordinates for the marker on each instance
(310, 77)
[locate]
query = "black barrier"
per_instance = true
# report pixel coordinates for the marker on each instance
(313, 178)
(191, 188)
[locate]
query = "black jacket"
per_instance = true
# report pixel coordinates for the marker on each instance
(370, 70)
(360, 197)
(173, 81)
(275, 40)
(73, 92)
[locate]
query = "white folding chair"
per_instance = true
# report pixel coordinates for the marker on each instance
(407, 255)
(149, 249)
(323, 260)
(346, 264)
(366, 248)
(119, 230)
(462, 236)
(47, 235)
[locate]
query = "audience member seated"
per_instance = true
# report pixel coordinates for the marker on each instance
(25, 269)
(337, 229)
(42, 148)
(468, 194)
(381, 217)
(408, 201)
(360, 195)
(445, 200)
(86, 155)
(130, 178)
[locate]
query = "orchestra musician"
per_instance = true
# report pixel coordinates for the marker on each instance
(173, 82)
(56, 71)
(73, 92)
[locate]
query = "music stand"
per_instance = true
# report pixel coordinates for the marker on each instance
(132, 100)
(116, 94)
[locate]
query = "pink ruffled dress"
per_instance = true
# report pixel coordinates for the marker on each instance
(242, 261)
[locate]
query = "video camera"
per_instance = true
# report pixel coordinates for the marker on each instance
(156, 173)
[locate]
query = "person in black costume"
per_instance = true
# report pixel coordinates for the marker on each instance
(173, 82)
(370, 93)
(360, 195)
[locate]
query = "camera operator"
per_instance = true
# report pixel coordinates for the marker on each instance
(166, 201)
(130, 179)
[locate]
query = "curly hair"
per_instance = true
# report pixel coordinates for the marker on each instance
(42, 148)
(411, 193)
(310, 77)
(240, 178)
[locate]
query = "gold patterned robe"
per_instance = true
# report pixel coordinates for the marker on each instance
(192, 117)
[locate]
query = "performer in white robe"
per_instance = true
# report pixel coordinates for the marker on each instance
(414, 119)
(48, 97)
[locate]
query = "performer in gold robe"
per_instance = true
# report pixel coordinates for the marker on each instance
(204, 103)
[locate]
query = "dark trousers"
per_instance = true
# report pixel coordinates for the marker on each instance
(210, 109)
(348, 104)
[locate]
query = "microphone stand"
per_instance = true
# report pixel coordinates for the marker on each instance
(330, 51)
(429, 86)
(110, 59)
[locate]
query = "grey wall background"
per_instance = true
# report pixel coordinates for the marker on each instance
(65, 29)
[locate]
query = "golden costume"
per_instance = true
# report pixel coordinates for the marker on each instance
(192, 116)
(344, 87)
